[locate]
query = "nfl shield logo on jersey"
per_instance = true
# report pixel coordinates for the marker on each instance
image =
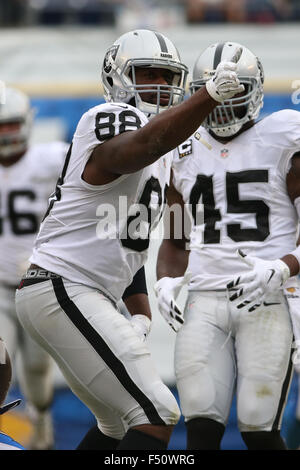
(224, 153)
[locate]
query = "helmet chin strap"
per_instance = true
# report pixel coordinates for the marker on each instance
(229, 131)
(224, 137)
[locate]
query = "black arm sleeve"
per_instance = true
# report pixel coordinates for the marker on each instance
(138, 285)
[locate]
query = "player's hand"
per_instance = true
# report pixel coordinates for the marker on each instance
(141, 325)
(264, 277)
(225, 83)
(167, 290)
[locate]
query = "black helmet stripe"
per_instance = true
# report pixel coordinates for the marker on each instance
(218, 54)
(162, 42)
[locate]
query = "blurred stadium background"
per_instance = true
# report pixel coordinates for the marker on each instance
(53, 50)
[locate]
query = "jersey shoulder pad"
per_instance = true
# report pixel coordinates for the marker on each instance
(282, 128)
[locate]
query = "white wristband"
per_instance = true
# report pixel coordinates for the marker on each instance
(142, 322)
(212, 90)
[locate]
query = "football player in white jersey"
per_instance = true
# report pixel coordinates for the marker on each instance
(95, 235)
(27, 175)
(237, 178)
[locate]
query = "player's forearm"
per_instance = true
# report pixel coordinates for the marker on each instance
(138, 304)
(292, 262)
(135, 295)
(132, 151)
(169, 129)
(172, 260)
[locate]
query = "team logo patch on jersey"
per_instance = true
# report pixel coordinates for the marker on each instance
(224, 153)
(185, 149)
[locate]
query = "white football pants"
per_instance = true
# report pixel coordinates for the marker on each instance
(100, 355)
(217, 353)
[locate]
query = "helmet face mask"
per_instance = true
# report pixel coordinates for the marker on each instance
(142, 49)
(229, 117)
(16, 118)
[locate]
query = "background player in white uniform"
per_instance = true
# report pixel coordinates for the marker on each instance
(95, 236)
(27, 175)
(244, 173)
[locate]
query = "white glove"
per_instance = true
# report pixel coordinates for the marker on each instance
(264, 277)
(141, 325)
(167, 290)
(225, 83)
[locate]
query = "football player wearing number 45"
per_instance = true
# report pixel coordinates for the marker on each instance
(246, 174)
(27, 175)
(68, 298)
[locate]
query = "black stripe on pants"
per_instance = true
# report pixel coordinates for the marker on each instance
(99, 345)
(284, 392)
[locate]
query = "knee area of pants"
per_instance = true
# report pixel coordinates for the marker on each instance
(164, 403)
(257, 405)
(168, 408)
(197, 392)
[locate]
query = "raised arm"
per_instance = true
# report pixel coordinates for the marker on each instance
(129, 152)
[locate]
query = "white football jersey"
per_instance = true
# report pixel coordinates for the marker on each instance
(99, 235)
(242, 186)
(25, 188)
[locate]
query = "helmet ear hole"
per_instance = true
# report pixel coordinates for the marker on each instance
(110, 81)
